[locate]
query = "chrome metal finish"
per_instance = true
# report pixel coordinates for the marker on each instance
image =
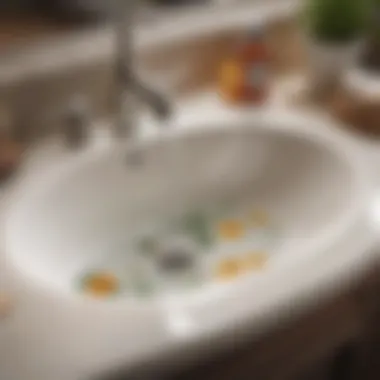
(77, 122)
(128, 86)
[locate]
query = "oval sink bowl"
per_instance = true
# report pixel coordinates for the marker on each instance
(185, 212)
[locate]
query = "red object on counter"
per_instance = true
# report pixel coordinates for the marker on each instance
(246, 75)
(255, 60)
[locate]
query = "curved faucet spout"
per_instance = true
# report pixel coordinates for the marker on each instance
(128, 85)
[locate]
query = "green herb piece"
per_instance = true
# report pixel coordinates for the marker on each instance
(198, 226)
(147, 245)
(337, 21)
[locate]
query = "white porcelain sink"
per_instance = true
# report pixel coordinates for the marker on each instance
(204, 209)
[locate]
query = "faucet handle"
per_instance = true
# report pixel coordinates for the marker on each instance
(158, 103)
(76, 122)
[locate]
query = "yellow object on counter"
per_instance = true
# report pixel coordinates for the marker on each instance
(231, 78)
(231, 73)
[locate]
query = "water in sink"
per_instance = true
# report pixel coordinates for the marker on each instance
(203, 209)
(197, 248)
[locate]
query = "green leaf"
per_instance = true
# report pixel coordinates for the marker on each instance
(198, 226)
(337, 21)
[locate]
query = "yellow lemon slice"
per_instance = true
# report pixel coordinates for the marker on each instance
(231, 230)
(101, 284)
(228, 269)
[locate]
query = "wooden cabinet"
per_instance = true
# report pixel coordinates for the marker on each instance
(338, 341)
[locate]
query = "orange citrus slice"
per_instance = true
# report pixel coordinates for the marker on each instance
(228, 269)
(100, 284)
(231, 230)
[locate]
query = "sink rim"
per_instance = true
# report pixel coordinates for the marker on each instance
(255, 310)
(335, 143)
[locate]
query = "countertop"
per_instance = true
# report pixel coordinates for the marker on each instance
(20, 30)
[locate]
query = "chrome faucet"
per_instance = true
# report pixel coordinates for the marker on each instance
(128, 85)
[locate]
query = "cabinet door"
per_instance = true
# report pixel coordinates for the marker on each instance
(307, 343)
(367, 356)
(322, 371)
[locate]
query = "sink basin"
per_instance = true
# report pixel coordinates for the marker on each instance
(202, 210)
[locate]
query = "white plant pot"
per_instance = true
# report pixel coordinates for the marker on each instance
(329, 62)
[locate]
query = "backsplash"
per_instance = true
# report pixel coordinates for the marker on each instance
(179, 69)
(40, 99)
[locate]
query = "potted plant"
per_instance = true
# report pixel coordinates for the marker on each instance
(364, 78)
(334, 31)
(371, 57)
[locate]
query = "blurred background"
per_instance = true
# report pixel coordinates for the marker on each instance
(27, 20)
